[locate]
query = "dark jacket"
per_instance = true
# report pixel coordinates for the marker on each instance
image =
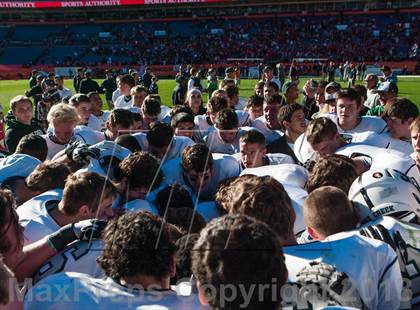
(309, 107)
(16, 130)
(280, 146)
(109, 85)
(88, 85)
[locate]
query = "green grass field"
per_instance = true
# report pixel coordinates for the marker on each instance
(408, 87)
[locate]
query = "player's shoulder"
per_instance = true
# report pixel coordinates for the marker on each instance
(88, 135)
(38, 204)
(140, 205)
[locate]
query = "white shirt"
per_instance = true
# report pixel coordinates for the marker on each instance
(398, 144)
(270, 159)
(261, 125)
(116, 94)
(79, 256)
(35, 218)
(94, 123)
(383, 158)
(304, 151)
(224, 167)
(367, 123)
(121, 103)
(88, 135)
(368, 264)
(104, 294)
(216, 144)
(64, 93)
(372, 99)
(103, 118)
(178, 144)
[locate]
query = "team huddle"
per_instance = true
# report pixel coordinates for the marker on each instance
(257, 203)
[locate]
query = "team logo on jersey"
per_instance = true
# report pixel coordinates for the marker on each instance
(346, 137)
(377, 175)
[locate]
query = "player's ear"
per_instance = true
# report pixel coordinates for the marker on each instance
(201, 296)
(410, 120)
(172, 271)
(84, 210)
(312, 233)
(108, 126)
(264, 151)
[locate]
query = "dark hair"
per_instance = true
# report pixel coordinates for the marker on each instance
(272, 85)
(227, 119)
(33, 145)
(137, 243)
(47, 176)
(401, 108)
(151, 106)
(185, 219)
(160, 134)
(320, 129)
(196, 157)
(286, 112)
(92, 93)
(231, 91)
(129, 142)
(263, 198)
(255, 101)
(335, 170)
(173, 196)
(7, 220)
(242, 252)
(276, 99)
(122, 117)
(137, 117)
(184, 246)
(361, 91)
(253, 136)
(180, 108)
(141, 170)
(128, 79)
(181, 117)
(76, 99)
(217, 104)
(349, 94)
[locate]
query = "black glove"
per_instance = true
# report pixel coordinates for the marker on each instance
(86, 230)
(71, 147)
(83, 153)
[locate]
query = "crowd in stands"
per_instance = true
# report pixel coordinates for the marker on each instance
(280, 39)
(236, 203)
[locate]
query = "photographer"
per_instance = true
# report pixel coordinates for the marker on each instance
(50, 97)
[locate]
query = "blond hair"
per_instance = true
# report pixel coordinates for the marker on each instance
(63, 113)
(415, 125)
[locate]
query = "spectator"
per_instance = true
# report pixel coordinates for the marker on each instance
(32, 79)
(19, 122)
(386, 91)
(77, 79)
(147, 77)
(388, 76)
(109, 85)
(371, 82)
(88, 85)
(64, 92)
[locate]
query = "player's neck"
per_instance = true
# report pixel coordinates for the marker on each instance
(288, 240)
(349, 125)
(146, 282)
(291, 136)
(60, 218)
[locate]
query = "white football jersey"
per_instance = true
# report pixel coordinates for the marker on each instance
(371, 265)
(304, 151)
(224, 167)
(293, 178)
(103, 118)
(35, 218)
(94, 123)
(404, 238)
(53, 148)
(382, 158)
(398, 144)
(122, 103)
(76, 291)
(178, 144)
(115, 95)
(216, 144)
(286, 174)
(367, 123)
(88, 135)
(270, 135)
(80, 256)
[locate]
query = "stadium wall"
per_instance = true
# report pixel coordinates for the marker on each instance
(16, 72)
